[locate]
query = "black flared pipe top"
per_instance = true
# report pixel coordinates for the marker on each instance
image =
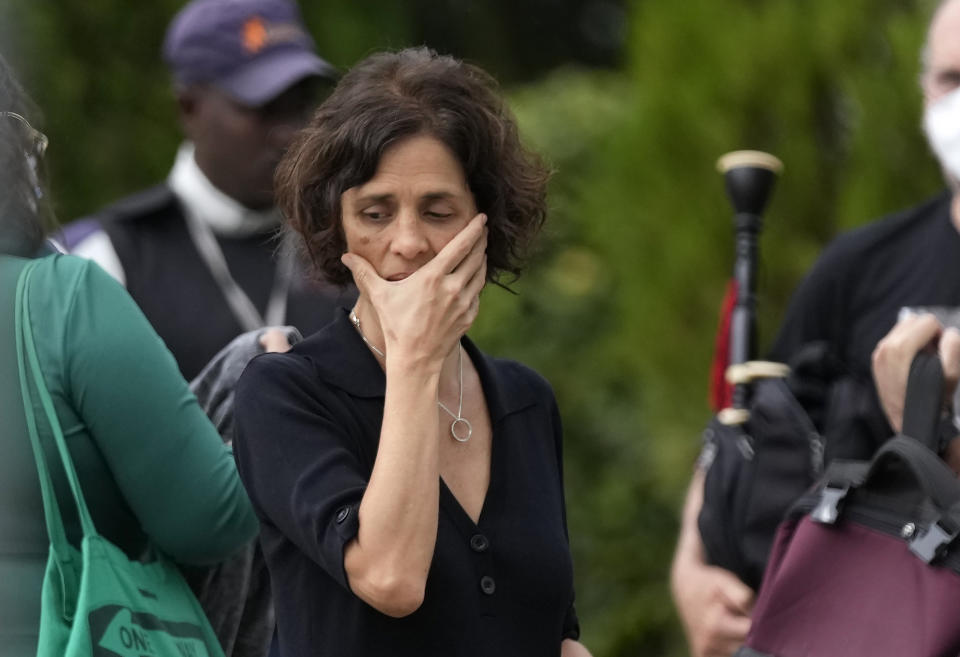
(749, 178)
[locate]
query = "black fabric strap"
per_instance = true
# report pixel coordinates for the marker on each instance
(837, 481)
(900, 456)
(924, 401)
(841, 473)
(932, 474)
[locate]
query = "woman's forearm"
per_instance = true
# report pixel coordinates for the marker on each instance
(387, 563)
(420, 320)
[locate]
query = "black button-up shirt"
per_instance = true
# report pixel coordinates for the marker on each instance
(307, 429)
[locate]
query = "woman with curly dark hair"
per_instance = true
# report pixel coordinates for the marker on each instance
(409, 487)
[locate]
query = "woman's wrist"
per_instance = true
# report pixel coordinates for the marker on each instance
(413, 364)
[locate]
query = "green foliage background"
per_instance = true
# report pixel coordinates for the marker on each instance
(619, 308)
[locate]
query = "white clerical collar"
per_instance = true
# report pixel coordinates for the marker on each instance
(224, 215)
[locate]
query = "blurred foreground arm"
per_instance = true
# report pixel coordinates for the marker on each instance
(713, 604)
(168, 461)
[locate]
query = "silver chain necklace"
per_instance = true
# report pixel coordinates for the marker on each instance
(460, 428)
(356, 323)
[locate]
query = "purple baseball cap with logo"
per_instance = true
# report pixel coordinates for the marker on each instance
(253, 50)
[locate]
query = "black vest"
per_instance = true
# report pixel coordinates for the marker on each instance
(176, 291)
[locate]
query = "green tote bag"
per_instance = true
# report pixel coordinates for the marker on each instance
(96, 602)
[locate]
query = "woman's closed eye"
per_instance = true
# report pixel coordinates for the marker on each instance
(439, 211)
(376, 213)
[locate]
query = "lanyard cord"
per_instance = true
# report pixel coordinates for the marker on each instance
(243, 309)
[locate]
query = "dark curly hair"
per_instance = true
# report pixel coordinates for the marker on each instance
(391, 96)
(25, 218)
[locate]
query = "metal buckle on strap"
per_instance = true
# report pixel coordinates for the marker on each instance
(933, 543)
(828, 507)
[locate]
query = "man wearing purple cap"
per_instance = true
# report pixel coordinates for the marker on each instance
(199, 252)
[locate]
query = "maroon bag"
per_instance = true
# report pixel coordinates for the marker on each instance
(867, 564)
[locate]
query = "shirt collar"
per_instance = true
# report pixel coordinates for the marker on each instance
(343, 360)
(223, 214)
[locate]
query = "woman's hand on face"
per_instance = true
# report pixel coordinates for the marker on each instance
(425, 314)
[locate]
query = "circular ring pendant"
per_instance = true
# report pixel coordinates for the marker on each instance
(461, 429)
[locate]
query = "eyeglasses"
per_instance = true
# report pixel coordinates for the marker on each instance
(38, 140)
(37, 146)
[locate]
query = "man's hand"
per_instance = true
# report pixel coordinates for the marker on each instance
(895, 352)
(891, 368)
(715, 609)
(892, 358)
(275, 340)
(713, 604)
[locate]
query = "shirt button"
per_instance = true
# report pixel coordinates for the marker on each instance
(487, 585)
(479, 543)
(342, 514)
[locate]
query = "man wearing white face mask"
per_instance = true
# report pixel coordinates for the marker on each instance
(854, 292)
(850, 300)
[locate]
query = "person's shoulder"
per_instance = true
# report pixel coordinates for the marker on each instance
(273, 369)
(327, 339)
(891, 230)
(275, 387)
(519, 390)
(848, 271)
(516, 371)
(60, 284)
(67, 272)
(141, 206)
(518, 385)
(295, 367)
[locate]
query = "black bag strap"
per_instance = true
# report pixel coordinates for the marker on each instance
(836, 482)
(924, 399)
(934, 541)
(938, 482)
(932, 476)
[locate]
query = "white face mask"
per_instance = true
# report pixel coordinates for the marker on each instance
(941, 122)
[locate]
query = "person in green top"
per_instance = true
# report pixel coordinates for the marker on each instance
(152, 467)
